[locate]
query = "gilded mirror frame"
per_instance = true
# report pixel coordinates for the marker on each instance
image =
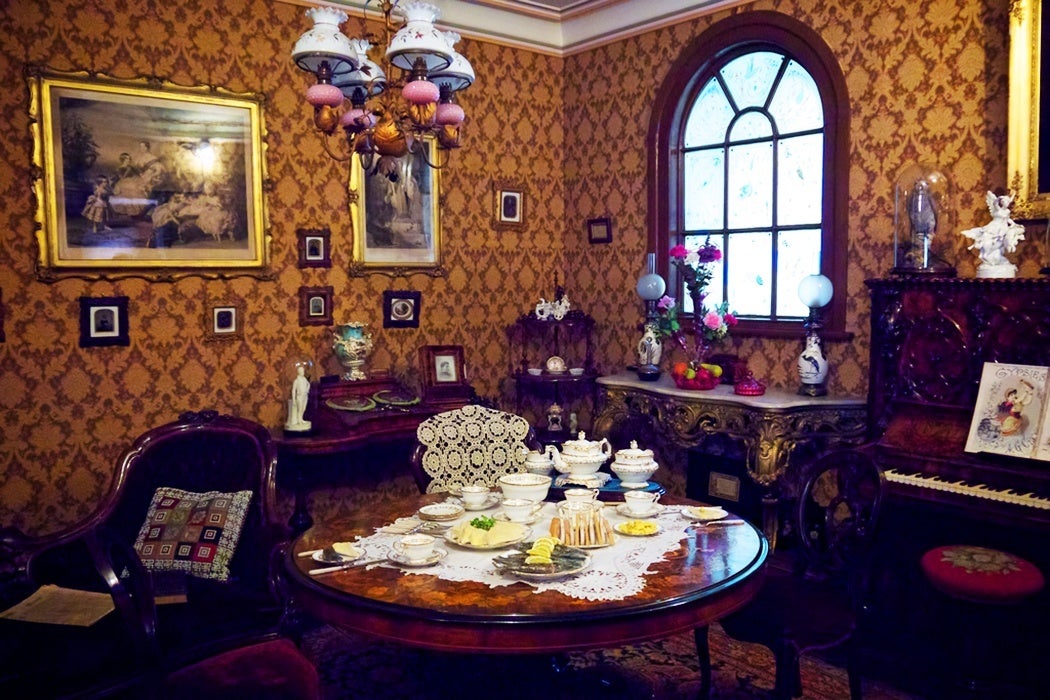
(1022, 162)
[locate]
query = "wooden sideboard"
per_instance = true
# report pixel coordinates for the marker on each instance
(339, 432)
(770, 426)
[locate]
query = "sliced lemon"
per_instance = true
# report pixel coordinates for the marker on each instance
(536, 559)
(540, 551)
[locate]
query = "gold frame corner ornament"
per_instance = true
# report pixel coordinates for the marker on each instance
(60, 255)
(1022, 161)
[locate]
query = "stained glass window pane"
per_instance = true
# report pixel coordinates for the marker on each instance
(750, 278)
(800, 177)
(796, 104)
(798, 255)
(753, 125)
(750, 204)
(704, 182)
(709, 118)
(750, 77)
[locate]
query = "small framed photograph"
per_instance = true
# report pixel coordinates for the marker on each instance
(224, 322)
(599, 230)
(103, 321)
(509, 205)
(314, 247)
(315, 306)
(401, 309)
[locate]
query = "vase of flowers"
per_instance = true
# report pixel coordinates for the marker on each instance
(709, 324)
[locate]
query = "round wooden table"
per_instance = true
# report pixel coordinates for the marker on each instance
(712, 572)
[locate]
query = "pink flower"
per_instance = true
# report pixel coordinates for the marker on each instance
(665, 303)
(712, 320)
(730, 320)
(709, 253)
(679, 251)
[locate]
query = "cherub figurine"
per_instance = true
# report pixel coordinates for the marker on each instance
(999, 236)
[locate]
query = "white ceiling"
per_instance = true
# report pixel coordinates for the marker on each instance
(557, 27)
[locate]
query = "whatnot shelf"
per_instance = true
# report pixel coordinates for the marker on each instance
(552, 364)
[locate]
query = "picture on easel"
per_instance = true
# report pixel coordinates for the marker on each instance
(1010, 416)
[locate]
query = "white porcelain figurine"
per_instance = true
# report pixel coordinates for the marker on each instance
(297, 404)
(999, 236)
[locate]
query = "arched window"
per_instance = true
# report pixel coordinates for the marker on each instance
(748, 151)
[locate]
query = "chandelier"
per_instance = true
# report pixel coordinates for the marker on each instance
(385, 119)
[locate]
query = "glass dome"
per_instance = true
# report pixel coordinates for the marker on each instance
(924, 222)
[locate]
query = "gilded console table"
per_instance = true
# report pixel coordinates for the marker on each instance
(769, 426)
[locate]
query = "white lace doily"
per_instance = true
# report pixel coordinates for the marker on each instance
(615, 573)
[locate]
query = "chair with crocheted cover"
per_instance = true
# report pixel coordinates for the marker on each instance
(469, 445)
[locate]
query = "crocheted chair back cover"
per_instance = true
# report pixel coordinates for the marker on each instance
(473, 444)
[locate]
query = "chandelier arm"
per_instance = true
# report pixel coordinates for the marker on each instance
(420, 147)
(339, 157)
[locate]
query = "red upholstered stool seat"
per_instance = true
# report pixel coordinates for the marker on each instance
(272, 670)
(981, 575)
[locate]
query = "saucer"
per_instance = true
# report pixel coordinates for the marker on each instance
(441, 511)
(435, 556)
(704, 513)
(527, 521)
(489, 502)
(634, 484)
(654, 510)
(320, 557)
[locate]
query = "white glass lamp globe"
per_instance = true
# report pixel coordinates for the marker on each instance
(815, 291)
(651, 286)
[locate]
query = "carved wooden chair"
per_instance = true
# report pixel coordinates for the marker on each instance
(814, 593)
(468, 445)
(207, 485)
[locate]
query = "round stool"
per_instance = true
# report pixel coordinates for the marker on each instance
(982, 583)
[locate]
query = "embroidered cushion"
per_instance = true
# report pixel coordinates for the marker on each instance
(192, 533)
(470, 445)
(981, 574)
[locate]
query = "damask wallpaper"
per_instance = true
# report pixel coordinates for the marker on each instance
(925, 82)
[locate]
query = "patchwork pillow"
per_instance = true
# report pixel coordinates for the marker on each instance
(192, 533)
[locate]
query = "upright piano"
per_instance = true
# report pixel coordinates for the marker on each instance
(930, 340)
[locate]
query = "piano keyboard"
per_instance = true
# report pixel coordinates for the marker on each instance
(962, 488)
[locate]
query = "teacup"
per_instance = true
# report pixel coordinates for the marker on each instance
(640, 502)
(580, 495)
(415, 547)
(518, 510)
(475, 495)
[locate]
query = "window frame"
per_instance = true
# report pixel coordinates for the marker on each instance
(674, 100)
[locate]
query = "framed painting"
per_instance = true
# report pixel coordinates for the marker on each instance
(315, 306)
(224, 322)
(509, 205)
(313, 247)
(396, 222)
(103, 321)
(444, 373)
(147, 179)
(401, 309)
(599, 230)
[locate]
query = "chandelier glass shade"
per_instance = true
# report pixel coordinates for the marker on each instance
(383, 117)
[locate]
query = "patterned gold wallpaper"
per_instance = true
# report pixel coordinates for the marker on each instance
(924, 84)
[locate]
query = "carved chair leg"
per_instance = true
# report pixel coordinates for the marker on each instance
(703, 653)
(788, 682)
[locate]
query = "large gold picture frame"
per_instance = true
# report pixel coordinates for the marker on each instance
(144, 178)
(397, 227)
(1028, 175)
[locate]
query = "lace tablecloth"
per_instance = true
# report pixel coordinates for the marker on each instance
(616, 572)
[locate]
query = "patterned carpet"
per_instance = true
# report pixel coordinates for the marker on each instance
(353, 666)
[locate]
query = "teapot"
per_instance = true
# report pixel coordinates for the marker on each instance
(539, 462)
(581, 456)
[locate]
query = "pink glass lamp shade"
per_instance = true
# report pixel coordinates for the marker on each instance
(449, 114)
(321, 94)
(420, 92)
(356, 120)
